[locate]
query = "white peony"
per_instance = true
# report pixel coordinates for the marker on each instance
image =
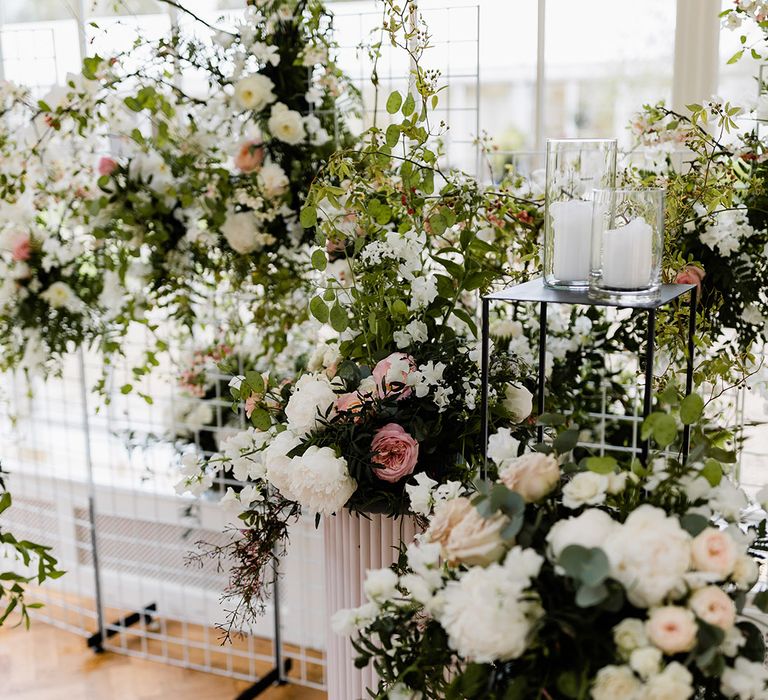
(518, 401)
(588, 529)
(486, 615)
(746, 680)
(649, 555)
(60, 296)
(380, 585)
(273, 180)
(319, 481)
(286, 124)
(277, 461)
(585, 489)
(241, 232)
(313, 399)
(254, 92)
(614, 682)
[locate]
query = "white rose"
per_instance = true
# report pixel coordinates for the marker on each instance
(320, 481)
(60, 296)
(588, 529)
(585, 489)
(533, 475)
(380, 585)
(714, 551)
(487, 615)
(474, 540)
(745, 572)
(518, 401)
(646, 661)
(675, 682)
(629, 635)
(273, 180)
(254, 92)
(672, 629)
(239, 230)
(714, 606)
(649, 555)
(312, 400)
(614, 682)
(746, 680)
(286, 124)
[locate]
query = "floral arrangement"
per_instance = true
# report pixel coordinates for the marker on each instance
(562, 580)
(21, 563)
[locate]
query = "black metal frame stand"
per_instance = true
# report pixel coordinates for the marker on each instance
(536, 291)
(96, 641)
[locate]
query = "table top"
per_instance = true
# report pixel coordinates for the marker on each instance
(537, 291)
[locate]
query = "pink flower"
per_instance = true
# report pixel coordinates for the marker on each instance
(250, 404)
(351, 402)
(691, 274)
(396, 451)
(22, 249)
(394, 370)
(106, 166)
(250, 156)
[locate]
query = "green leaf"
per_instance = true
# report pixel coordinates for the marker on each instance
(736, 57)
(409, 105)
(308, 216)
(318, 309)
(693, 523)
(691, 409)
(664, 429)
(568, 684)
(712, 472)
(255, 381)
(550, 419)
(339, 318)
(394, 101)
(761, 601)
(566, 441)
(393, 135)
(5, 501)
(588, 566)
(126, 388)
(601, 465)
(260, 419)
(319, 260)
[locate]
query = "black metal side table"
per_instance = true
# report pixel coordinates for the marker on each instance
(536, 291)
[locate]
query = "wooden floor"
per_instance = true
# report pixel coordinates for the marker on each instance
(45, 663)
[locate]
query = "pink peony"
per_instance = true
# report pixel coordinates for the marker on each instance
(250, 157)
(22, 249)
(394, 370)
(396, 451)
(106, 166)
(691, 274)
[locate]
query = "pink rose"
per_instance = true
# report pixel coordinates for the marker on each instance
(691, 274)
(533, 475)
(714, 606)
(250, 156)
(22, 249)
(106, 166)
(396, 451)
(351, 402)
(672, 629)
(714, 551)
(394, 370)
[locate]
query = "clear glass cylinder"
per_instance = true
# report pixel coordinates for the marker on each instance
(575, 168)
(627, 244)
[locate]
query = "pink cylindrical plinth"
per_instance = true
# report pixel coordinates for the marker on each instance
(353, 545)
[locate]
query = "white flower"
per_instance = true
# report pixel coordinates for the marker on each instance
(400, 691)
(60, 296)
(380, 585)
(151, 169)
(240, 229)
(728, 500)
(629, 635)
(318, 136)
(672, 629)
(518, 401)
(423, 292)
(714, 551)
(745, 572)
(523, 565)
(265, 53)
(277, 461)
(272, 180)
(589, 529)
(312, 400)
(506, 328)
(502, 447)
(614, 683)
(733, 641)
(645, 661)
(420, 494)
(746, 680)
(414, 332)
(323, 357)
(649, 555)
(675, 682)
(286, 124)
(319, 481)
(418, 587)
(585, 489)
(486, 614)
(347, 622)
(254, 92)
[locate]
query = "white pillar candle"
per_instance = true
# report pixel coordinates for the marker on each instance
(627, 255)
(572, 225)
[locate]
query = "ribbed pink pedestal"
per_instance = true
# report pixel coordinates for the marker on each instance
(353, 545)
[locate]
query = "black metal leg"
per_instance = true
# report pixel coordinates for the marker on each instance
(689, 368)
(542, 378)
(96, 641)
(484, 371)
(648, 395)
